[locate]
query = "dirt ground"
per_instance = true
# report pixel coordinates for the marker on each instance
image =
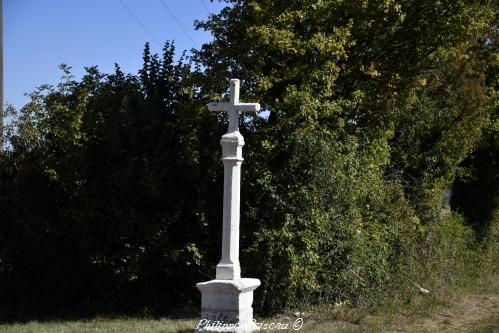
(473, 313)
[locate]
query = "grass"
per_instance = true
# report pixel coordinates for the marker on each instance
(491, 325)
(103, 325)
(469, 309)
(473, 308)
(374, 324)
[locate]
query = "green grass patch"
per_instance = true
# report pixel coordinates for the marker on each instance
(103, 325)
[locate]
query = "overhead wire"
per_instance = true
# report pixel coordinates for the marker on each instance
(205, 7)
(139, 22)
(179, 24)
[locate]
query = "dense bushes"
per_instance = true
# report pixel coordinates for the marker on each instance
(110, 187)
(103, 200)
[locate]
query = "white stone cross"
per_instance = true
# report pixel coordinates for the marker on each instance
(228, 299)
(233, 106)
(229, 268)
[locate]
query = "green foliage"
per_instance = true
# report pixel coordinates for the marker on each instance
(373, 108)
(476, 191)
(106, 192)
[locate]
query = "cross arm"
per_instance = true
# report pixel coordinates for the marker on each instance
(220, 106)
(227, 107)
(247, 107)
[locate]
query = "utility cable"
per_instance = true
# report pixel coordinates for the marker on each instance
(178, 22)
(140, 22)
(205, 7)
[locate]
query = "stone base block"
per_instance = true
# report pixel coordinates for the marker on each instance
(226, 306)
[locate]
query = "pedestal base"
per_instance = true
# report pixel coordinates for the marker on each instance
(226, 306)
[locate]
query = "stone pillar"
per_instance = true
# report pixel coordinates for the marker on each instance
(229, 267)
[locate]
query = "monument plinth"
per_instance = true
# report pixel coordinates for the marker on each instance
(228, 299)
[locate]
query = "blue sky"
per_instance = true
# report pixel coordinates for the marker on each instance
(41, 34)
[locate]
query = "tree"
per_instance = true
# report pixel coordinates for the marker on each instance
(106, 193)
(372, 106)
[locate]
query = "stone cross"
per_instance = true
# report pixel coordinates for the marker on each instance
(228, 299)
(232, 143)
(233, 107)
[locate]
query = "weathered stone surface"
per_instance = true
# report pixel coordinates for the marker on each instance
(232, 157)
(226, 301)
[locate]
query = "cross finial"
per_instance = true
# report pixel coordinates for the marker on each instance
(233, 106)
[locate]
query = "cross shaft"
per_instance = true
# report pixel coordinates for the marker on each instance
(232, 143)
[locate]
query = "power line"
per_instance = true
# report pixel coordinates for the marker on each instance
(140, 22)
(205, 7)
(178, 22)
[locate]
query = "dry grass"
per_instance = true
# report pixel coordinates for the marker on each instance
(474, 310)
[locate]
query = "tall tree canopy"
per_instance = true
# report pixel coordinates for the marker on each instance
(375, 106)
